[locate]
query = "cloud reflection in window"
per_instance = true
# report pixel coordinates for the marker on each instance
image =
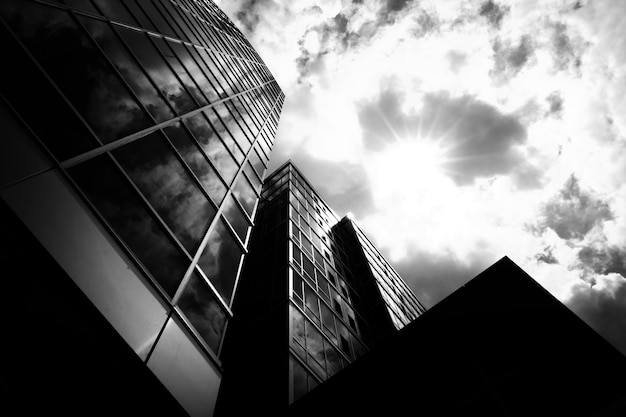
(160, 176)
(212, 146)
(120, 205)
(220, 260)
(203, 311)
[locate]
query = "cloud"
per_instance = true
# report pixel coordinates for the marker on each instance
(493, 12)
(573, 212)
(604, 310)
(434, 277)
(509, 59)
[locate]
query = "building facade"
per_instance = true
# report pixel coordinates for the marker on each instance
(315, 295)
(136, 135)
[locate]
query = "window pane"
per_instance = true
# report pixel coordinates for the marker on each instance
(203, 311)
(125, 212)
(128, 68)
(333, 359)
(196, 72)
(245, 194)
(220, 260)
(212, 146)
(197, 161)
(299, 379)
(297, 325)
(236, 218)
(158, 70)
(162, 179)
(315, 348)
(78, 68)
(218, 125)
(165, 48)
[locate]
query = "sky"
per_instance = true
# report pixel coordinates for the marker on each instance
(457, 132)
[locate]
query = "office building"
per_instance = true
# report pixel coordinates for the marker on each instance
(314, 296)
(136, 136)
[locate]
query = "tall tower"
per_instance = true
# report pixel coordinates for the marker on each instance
(314, 295)
(136, 136)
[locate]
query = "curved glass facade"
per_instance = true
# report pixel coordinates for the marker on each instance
(159, 117)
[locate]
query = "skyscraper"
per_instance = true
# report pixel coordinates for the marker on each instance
(315, 295)
(136, 136)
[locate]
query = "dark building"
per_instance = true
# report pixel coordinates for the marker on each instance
(314, 296)
(501, 345)
(135, 138)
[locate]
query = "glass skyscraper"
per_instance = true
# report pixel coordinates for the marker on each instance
(136, 136)
(315, 295)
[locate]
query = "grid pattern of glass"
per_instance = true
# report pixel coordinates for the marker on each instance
(402, 304)
(163, 116)
(326, 331)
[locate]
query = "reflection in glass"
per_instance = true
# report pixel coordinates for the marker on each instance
(196, 72)
(203, 311)
(254, 180)
(333, 360)
(114, 10)
(315, 348)
(220, 260)
(158, 70)
(162, 179)
(236, 218)
(165, 48)
(245, 194)
(297, 325)
(196, 160)
(212, 146)
(124, 211)
(128, 68)
(78, 68)
(229, 117)
(219, 127)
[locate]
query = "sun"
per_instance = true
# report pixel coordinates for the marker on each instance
(417, 160)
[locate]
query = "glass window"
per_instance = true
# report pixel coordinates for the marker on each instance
(311, 301)
(114, 10)
(160, 176)
(197, 161)
(212, 146)
(299, 379)
(308, 267)
(252, 176)
(166, 49)
(297, 284)
(315, 349)
(125, 212)
(297, 325)
(245, 194)
(155, 16)
(328, 320)
(78, 68)
(236, 218)
(158, 70)
(219, 127)
(297, 256)
(196, 72)
(128, 68)
(203, 310)
(333, 359)
(220, 260)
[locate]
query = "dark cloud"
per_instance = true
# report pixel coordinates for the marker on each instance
(556, 104)
(604, 311)
(604, 260)
(481, 141)
(248, 14)
(493, 12)
(396, 5)
(341, 23)
(573, 212)
(509, 59)
(432, 278)
(565, 53)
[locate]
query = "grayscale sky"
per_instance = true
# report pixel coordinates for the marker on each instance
(458, 131)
